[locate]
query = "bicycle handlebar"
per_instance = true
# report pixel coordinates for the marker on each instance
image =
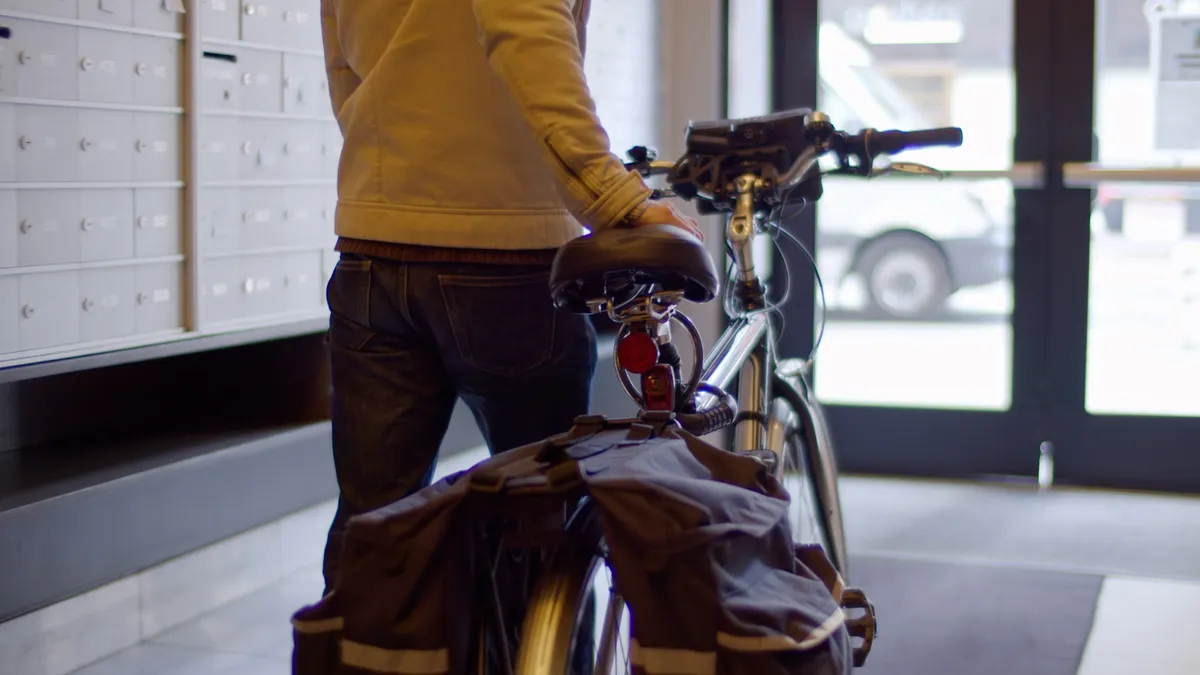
(891, 142)
(865, 146)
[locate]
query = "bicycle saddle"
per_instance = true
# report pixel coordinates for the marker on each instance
(617, 262)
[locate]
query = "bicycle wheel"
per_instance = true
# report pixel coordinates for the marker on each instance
(557, 637)
(810, 473)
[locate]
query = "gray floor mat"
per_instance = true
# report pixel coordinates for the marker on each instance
(1084, 530)
(968, 619)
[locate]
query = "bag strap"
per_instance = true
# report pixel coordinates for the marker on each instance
(492, 480)
(555, 465)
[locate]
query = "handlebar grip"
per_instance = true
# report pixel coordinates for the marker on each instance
(897, 141)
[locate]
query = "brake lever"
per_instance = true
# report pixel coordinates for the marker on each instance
(909, 168)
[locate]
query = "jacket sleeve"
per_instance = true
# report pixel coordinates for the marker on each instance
(343, 81)
(534, 47)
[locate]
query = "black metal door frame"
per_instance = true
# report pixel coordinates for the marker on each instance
(1054, 63)
(1123, 451)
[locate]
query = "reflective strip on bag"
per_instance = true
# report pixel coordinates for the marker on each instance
(783, 643)
(402, 661)
(316, 626)
(657, 661)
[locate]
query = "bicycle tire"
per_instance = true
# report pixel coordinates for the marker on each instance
(811, 448)
(551, 643)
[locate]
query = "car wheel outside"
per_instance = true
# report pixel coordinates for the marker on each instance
(906, 275)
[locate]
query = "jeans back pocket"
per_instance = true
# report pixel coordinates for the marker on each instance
(502, 324)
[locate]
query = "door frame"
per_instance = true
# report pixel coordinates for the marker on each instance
(1123, 451)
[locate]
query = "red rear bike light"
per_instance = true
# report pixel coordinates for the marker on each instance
(638, 352)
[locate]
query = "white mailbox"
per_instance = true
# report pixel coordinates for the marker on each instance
(159, 298)
(160, 15)
(157, 222)
(8, 136)
(106, 305)
(105, 147)
(45, 58)
(156, 71)
(10, 314)
(116, 12)
(105, 66)
(59, 8)
(106, 224)
(46, 144)
(49, 309)
(8, 228)
(156, 147)
(48, 227)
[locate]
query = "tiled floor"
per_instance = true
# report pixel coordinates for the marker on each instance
(250, 636)
(1146, 546)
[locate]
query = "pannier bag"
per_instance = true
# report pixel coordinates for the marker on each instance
(698, 539)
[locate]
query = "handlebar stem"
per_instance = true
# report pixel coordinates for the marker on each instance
(740, 229)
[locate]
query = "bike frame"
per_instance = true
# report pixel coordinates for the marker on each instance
(747, 346)
(746, 351)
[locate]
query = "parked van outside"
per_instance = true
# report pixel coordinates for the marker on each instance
(911, 243)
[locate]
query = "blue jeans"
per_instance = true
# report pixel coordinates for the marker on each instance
(407, 340)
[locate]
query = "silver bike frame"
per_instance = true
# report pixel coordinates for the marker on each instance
(746, 347)
(746, 351)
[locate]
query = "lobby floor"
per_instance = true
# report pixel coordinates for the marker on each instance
(1146, 548)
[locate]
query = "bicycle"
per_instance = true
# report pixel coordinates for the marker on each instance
(749, 169)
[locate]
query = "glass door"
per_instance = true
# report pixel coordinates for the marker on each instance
(925, 350)
(918, 288)
(1045, 299)
(1140, 424)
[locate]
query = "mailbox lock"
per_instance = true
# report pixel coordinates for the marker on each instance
(28, 311)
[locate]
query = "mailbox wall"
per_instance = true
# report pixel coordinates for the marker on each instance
(154, 186)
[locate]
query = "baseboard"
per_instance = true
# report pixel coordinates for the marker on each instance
(73, 633)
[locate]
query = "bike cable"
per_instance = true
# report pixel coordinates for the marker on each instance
(775, 220)
(816, 274)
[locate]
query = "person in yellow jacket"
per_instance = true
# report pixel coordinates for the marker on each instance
(472, 152)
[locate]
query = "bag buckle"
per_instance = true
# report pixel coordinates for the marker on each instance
(488, 482)
(863, 626)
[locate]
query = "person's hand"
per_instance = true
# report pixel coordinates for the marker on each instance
(663, 213)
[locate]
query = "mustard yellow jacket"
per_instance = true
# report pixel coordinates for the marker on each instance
(468, 123)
